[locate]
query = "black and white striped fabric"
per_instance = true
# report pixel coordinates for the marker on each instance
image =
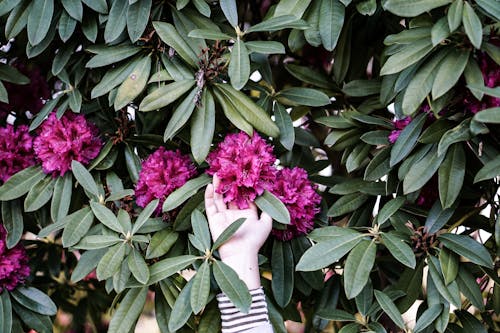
(235, 321)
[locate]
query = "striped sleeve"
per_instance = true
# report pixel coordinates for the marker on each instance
(235, 321)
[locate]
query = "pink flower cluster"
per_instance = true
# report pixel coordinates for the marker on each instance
(61, 141)
(16, 150)
(245, 167)
(162, 172)
(295, 190)
(14, 268)
(399, 125)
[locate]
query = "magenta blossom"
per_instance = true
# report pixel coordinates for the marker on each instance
(295, 190)
(162, 172)
(14, 268)
(16, 150)
(61, 141)
(399, 125)
(244, 165)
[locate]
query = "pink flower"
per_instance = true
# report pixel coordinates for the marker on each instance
(63, 140)
(162, 172)
(295, 190)
(399, 125)
(14, 266)
(245, 167)
(16, 150)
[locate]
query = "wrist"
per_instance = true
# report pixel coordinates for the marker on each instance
(246, 265)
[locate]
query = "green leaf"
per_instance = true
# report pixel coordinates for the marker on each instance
(265, 47)
(111, 261)
(8, 5)
(114, 77)
(176, 198)
(117, 20)
(309, 75)
(489, 171)
(20, 183)
(167, 267)
(87, 262)
(62, 57)
(283, 272)
(329, 251)
(450, 70)
(76, 226)
(331, 21)
(491, 115)
(209, 34)
(171, 37)
(437, 217)
(134, 84)
(455, 14)
(95, 242)
(470, 323)
(232, 286)
(5, 313)
(145, 215)
(106, 217)
(285, 125)
(39, 20)
(407, 56)
(472, 25)
(40, 323)
(435, 275)
(427, 317)
(161, 243)
(357, 157)
(39, 194)
(474, 76)
(407, 139)
(211, 321)
(239, 65)
(451, 175)
(99, 6)
(490, 7)
(467, 247)
(203, 127)
(230, 11)
(232, 114)
(228, 233)
(11, 74)
(457, 134)
(200, 288)
(303, 96)
(111, 55)
(84, 177)
(358, 266)
(181, 115)
(89, 27)
(364, 300)
(440, 31)
(292, 7)
(181, 310)
(279, 23)
(379, 166)
(127, 313)
(138, 18)
(449, 265)
(422, 171)
(165, 95)
(66, 26)
(360, 88)
(389, 308)
(74, 9)
(347, 204)
(200, 228)
(412, 8)
(251, 112)
(273, 206)
(469, 287)
(13, 221)
(399, 249)
(35, 300)
(138, 266)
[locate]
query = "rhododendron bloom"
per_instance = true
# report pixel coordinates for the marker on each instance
(162, 172)
(14, 266)
(244, 165)
(295, 190)
(399, 125)
(61, 141)
(16, 150)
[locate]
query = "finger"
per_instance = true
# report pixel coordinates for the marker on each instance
(218, 199)
(252, 206)
(210, 207)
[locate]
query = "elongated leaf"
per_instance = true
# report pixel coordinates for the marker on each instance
(167, 267)
(138, 266)
(358, 266)
(183, 193)
(181, 310)
(407, 139)
(455, 14)
(35, 300)
(106, 216)
(20, 183)
(450, 70)
(491, 115)
(125, 317)
(181, 115)
(7, 5)
(209, 34)
(451, 175)
(39, 194)
(117, 20)
(17, 20)
(114, 77)
(328, 252)
(171, 37)
(200, 288)
(389, 308)
(230, 11)
(165, 95)
(95, 242)
(470, 288)
(232, 286)
(490, 7)
(467, 247)
(457, 134)
(279, 23)
(200, 229)
(435, 276)
(283, 272)
(379, 166)
(470, 323)
(331, 21)
(408, 55)
(160, 243)
(437, 217)
(422, 171)
(472, 25)
(399, 249)
(137, 18)
(347, 204)
(239, 65)
(232, 114)
(303, 96)
(5, 313)
(74, 9)
(489, 170)
(412, 8)
(228, 233)
(134, 84)
(265, 47)
(76, 226)
(111, 55)
(111, 261)
(99, 6)
(203, 127)
(145, 215)
(285, 125)
(440, 31)
(87, 262)
(449, 265)
(39, 20)
(427, 317)
(84, 177)
(13, 221)
(40, 323)
(270, 204)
